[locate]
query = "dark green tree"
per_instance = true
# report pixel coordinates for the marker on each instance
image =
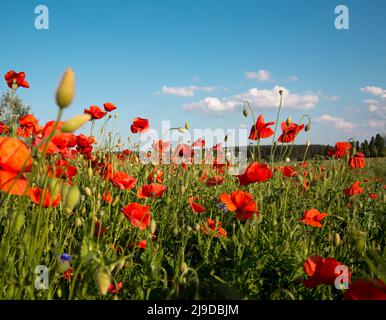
(9, 115)
(373, 150)
(380, 145)
(357, 146)
(366, 149)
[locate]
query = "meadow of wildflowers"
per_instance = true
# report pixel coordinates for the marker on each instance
(102, 224)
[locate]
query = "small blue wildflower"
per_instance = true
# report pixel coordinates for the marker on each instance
(65, 257)
(222, 207)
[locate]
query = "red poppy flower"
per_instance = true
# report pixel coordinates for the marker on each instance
(4, 129)
(217, 147)
(357, 161)
(95, 112)
(14, 154)
(109, 106)
(289, 171)
(43, 197)
(354, 189)
(260, 130)
(28, 126)
(68, 274)
(16, 77)
(138, 215)
(155, 176)
(161, 146)
(141, 244)
(99, 230)
(199, 143)
(242, 203)
(106, 196)
(123, 181)
(215, 227)
(289, 132)
(256, 172)
(62, 169)
(139, 125)
(373, 196)
(366, 290)
(342, 149)
(151, 190)
(114, 289)
(313, 218)
(196, 207)
(214, 181)
(321, 271)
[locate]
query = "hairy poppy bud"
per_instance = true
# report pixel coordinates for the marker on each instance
(245, 113)
(187, 125)
(153, 226)
(281, 91)
(54, 188)
(90, 173)
(75, 123)
(337, 240)
(72, 199)
(288, 121)
(307, 127)
(87, 190)
(102, 280)
(66, 89)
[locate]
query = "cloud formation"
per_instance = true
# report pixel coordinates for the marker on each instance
(258, 99)
(261, 75)
(376, 91)
(186, 91)
(338, 123)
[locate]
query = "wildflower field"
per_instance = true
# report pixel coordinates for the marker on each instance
(84, 218)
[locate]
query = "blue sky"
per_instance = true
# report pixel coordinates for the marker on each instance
(196, 60)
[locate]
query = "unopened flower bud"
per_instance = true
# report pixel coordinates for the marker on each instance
(187, 125)
(66, 89)
(76, 122)
(289, 121)
(337, 239)
(307, 127)
(72, 199)
(102, 280)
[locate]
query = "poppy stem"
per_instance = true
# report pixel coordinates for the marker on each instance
(273, 147)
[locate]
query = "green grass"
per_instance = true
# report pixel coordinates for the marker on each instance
(260, 259)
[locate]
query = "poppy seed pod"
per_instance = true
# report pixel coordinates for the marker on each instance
(102, 280)
(288, 121)
(72, 199)
(66, 89)
(75, 123)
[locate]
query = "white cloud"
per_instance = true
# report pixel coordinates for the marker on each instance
(293, 79)
(261, 75)
(376, 91)
(376, 124)
(258, 98)
(338, 123)
(187, 91)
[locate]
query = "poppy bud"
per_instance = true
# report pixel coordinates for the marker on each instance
(87, 190)
(281, 91)
(54, 188)
(75, 123)
(184, 267)
(181, 129)
(102, 280)
(288, 121)
(72, 199)
(19, 221)
(358, 238)
(187, 125)
(307, 127)
(66, 89)
(78, 222)
(90, 173)
(337, 240)
(245, 113)
(59, 292)
(153, 226)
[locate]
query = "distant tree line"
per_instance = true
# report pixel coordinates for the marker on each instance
(375, 148)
